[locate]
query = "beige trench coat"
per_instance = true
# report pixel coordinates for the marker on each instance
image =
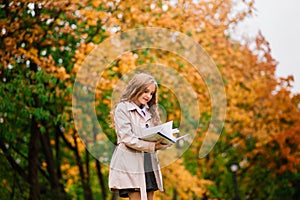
(127, 163)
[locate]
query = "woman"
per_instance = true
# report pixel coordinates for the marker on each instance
(134, 168)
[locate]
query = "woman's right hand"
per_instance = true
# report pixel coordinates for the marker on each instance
(159, 145)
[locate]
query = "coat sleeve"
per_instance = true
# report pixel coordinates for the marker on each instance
(124, 130)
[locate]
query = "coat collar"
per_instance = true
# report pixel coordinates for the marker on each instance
(132, 106)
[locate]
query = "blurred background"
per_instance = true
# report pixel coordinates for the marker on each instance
(278, 23)
(43, 45)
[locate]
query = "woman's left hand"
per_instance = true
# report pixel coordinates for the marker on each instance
(159, 145)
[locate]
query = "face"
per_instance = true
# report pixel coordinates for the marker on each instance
(146, 96)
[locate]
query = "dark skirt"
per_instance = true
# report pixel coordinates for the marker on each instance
(151, 184)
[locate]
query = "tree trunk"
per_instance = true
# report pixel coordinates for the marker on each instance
(87, 162)
(98, 170)
(51, 168)
(101, 179)
(57, 156)
(87, 192)
(175, 195)
(33, 162)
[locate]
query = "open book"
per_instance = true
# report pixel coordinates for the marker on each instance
(164, 131)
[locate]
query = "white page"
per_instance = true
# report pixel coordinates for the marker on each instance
(181, 137)
(164, 128)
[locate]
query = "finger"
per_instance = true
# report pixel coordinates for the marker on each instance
(159, 141)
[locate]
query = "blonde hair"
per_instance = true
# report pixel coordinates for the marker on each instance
(136, 87)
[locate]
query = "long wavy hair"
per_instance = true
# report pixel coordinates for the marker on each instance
(136, 87)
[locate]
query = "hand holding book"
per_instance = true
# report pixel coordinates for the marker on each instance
(161, 145)
(163, 132)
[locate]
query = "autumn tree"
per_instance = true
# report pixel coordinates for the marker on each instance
(256, 115)
(43, 47)
(38, 139)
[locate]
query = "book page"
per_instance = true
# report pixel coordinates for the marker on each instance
(181, 137)
(163, 131)
(158, 136)
(164, 128)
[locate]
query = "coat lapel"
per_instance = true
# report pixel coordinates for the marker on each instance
(147, 115)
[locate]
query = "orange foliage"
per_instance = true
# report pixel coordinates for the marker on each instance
(259, 106)
(186, 184)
